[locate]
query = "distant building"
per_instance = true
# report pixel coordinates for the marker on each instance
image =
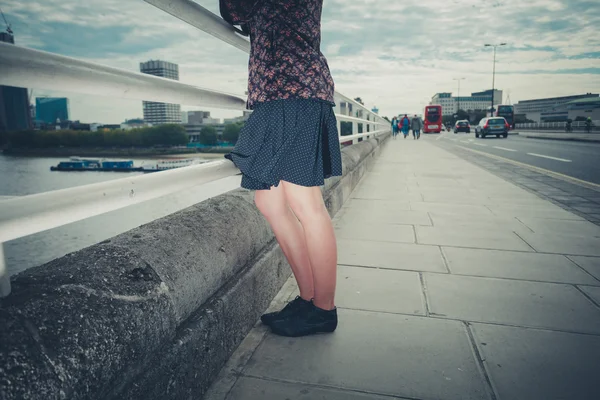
(14, 102)
(375, 110)
(193, 131)
(161, 113)
(134, 124)
(50, 109)
(236, 120)
(477, 101)
(556, 108)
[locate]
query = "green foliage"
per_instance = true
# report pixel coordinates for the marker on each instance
(208, 135)
(161, 135)
(231, 132)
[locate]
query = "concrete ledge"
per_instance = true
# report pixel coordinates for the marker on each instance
(574, 137)
(153, 313)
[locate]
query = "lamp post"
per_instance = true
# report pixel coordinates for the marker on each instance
(493, 73)
(458, 97)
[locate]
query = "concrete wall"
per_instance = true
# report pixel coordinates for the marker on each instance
(153, 313)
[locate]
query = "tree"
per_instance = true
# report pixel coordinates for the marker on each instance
(208, 135)
(387, 119)
(359, 100)
(232, 132)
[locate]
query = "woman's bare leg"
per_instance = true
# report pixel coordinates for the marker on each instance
(307, 204)
(289, 234)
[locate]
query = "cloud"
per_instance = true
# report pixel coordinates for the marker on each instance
(395, 55)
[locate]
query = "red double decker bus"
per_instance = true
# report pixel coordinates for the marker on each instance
(433, 119)
(508, 112)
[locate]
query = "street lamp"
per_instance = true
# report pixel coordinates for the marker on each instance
(493, 73)
(458, 80)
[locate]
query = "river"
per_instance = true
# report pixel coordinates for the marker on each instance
(21, 176)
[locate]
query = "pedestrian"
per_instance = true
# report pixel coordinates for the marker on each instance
(405, 122)
(394, 127)
(416, 126)
(288, 146)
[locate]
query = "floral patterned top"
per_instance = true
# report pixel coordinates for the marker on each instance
(285, 57)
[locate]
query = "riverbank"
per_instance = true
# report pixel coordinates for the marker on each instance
(169, 152)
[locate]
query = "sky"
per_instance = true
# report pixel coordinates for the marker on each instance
(394, 54)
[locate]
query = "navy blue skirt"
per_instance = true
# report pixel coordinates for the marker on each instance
(292, 140)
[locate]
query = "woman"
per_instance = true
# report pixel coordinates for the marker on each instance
(288, 146)
(394, 127)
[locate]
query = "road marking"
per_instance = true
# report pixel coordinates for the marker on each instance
(464, 141)
(503, 148)
(441, 137)
(480, 144)
(548, 157)
(568, 178)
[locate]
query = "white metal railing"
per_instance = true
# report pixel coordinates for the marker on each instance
(23, 67)
(575, 125)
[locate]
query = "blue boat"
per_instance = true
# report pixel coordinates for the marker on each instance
(83, 164)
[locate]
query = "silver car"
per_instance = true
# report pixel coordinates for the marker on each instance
(492, 126)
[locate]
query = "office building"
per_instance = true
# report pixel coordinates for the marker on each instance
(50, 109)
(14, 102)
(477, 101)
(235, 120)
(161, 113)
(555, 108)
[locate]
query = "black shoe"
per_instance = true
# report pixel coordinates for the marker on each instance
(315, 320)
(295, 306)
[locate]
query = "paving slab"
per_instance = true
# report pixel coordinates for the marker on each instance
(548, 212)
(551, 242)
(390, 255)
(516, 265)
(384, 290)
(247, 388)
(370, 205)
(562, 227)
(465, 210)
(512, 302)
(471, 237)
(383, 193)
(389, 354)
(353, 229)
(387, 216)
(593, 292)
(590, 264)
(489, 222)
(534, 364)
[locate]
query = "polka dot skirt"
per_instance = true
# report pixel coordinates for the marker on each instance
(294, 140)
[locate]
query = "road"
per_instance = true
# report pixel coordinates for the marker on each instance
(575, 159)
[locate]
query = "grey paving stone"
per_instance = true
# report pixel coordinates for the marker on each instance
(531, 304)
(247, 388)
(379, 290)
(370, 205)
(385, 194)
(593, 292)
(562, 227)
(481, 221)
(533, 364)
(380, 353)
(549, 212)
(386, 216)
(390, 255)
(562, 244)
(590, 264)
(466, 210)
(461, 236)
(516, 265)
(349, 229)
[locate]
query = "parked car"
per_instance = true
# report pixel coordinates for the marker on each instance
(492, 126)
(462, 126)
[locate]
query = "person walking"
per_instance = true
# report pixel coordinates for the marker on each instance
(405, 123)
(394, 127)
(288, 147)
(416, 126)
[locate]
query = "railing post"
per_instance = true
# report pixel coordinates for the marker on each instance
(4, 278)
(354, 130)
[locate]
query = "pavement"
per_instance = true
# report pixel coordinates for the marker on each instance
(453, 284)
(556, 135)
(576, 159)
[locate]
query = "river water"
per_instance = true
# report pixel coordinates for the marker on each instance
(21, 176)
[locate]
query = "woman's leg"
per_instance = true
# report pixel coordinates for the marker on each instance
(307, 203)
(290, 235)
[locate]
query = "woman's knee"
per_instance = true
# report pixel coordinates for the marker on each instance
(306, 203)
(270, 203)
